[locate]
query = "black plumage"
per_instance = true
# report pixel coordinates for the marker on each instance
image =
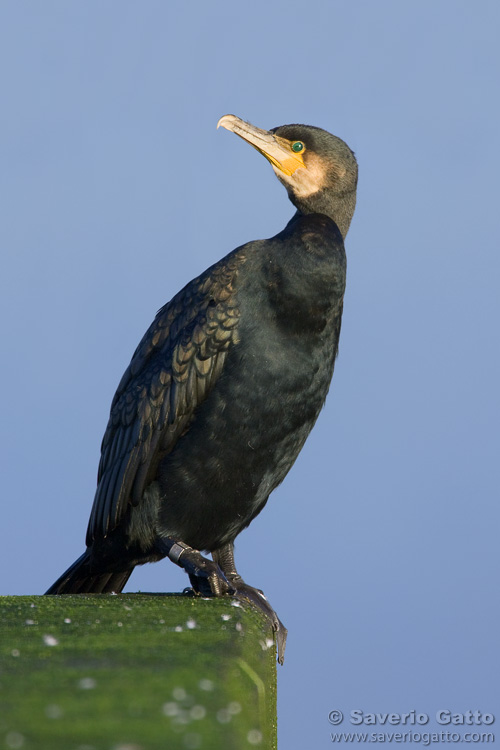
(225, 386)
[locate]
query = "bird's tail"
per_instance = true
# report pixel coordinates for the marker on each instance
(79, 579)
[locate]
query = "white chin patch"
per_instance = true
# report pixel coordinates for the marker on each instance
(305, 181)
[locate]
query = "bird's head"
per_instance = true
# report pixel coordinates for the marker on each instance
(318, 169)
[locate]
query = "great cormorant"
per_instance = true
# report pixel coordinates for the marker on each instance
(225, 386)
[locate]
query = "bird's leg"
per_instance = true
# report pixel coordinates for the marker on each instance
(224, 557)
(207, 579)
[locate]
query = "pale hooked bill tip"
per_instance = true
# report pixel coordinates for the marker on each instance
(227, 120)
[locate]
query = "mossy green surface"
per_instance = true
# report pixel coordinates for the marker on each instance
(135, 672)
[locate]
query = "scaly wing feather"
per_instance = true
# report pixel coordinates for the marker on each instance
(172, 371)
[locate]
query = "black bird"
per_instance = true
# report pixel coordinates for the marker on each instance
(225, 386)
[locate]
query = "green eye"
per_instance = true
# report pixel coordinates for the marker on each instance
(297, 146)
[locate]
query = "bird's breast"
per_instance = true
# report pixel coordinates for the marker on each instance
(246, 435)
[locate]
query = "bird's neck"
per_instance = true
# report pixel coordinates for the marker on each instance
(339, 208)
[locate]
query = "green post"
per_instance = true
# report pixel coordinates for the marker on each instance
(135, 672)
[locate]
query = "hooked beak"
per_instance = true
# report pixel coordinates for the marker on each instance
(276, 150)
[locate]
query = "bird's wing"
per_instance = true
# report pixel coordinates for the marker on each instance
(172, 371)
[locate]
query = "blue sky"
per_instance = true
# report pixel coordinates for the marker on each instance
(380, 550)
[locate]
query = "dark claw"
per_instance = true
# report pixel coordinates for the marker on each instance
(247, 593)
(207, 579)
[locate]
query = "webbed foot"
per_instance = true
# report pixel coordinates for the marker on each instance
(225, 559)
(207, 578)
(257, 598)
(220, 578)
